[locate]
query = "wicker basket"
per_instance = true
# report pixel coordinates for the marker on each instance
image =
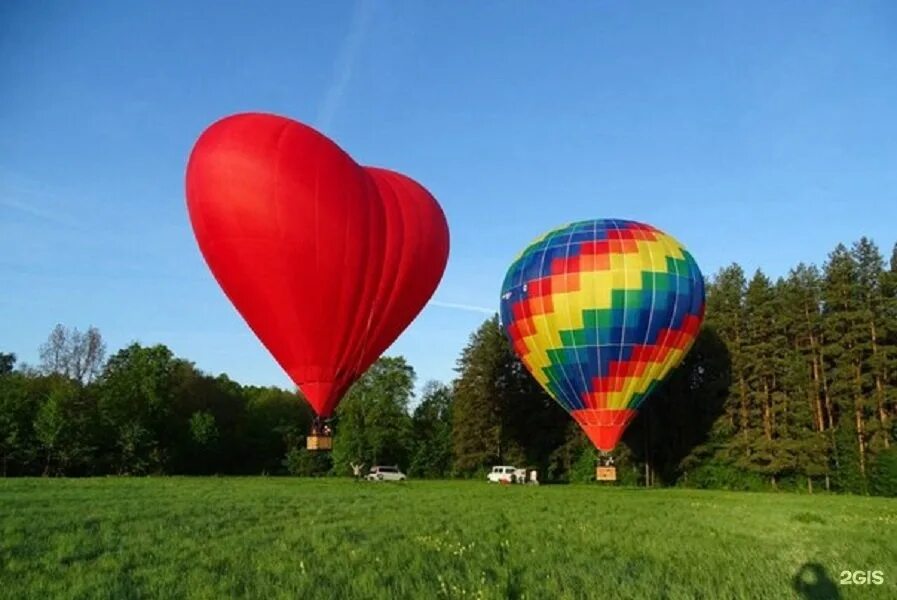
(606, 473)
(319, 442)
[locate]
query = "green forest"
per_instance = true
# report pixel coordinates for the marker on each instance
(791, 385)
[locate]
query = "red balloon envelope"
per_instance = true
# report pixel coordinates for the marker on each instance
(327, 261)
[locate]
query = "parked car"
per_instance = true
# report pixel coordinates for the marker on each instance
(381, 473)
(506, 473)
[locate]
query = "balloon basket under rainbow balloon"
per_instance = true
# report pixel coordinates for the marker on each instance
(318, 442)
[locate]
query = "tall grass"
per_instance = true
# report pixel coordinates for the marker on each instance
(292, 538)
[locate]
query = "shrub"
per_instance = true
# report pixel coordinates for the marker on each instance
(727, 477)
(883, 474)
(583, 469)
(300, 461)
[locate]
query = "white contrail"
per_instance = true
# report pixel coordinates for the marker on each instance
(467, 307)
(32, 199)
(345, 63)
(31, 210)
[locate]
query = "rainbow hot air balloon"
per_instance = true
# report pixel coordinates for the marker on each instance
(600, 312)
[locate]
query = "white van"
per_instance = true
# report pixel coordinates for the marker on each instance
(506, 473)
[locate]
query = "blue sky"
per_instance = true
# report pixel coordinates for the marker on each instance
(756, 132)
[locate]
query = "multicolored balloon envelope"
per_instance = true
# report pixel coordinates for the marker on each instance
(600, 312)
(326, 260)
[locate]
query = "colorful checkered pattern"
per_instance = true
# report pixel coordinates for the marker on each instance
(600, 312)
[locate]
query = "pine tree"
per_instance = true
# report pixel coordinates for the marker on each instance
(889, 346)
(802, 450)
(501, 414)
(870, 275)
(476, 419)
(763, 347)
(800, 319)
(845, 334)
(763, 358)
(725, 314)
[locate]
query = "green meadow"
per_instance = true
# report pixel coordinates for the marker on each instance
(328, 538)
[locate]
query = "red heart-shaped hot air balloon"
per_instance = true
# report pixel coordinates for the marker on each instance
(327, 261)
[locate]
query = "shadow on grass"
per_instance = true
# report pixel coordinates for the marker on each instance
(812, 582)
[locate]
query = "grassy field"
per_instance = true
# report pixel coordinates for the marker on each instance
(292, 538)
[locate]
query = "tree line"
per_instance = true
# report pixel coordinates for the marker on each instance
(791, 384)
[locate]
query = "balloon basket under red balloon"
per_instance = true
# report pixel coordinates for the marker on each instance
(606, 473)
(319, 442)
